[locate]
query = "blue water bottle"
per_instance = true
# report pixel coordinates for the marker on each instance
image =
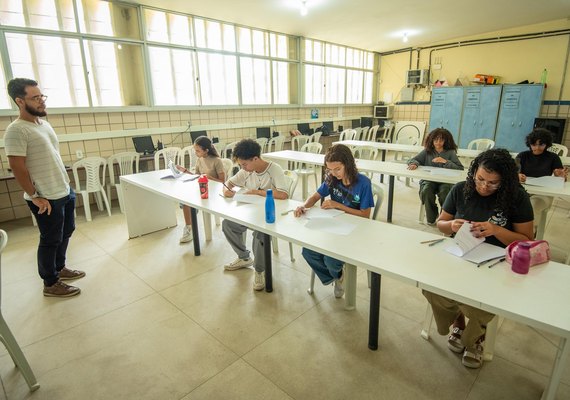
(269, 207)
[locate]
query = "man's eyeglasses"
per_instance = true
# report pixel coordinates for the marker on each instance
(38, 98)
(482, 182)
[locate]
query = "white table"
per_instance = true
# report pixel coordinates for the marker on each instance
(534, 299)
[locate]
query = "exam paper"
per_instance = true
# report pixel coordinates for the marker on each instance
(249, 198)
(317, 212)
(473, 249)
(556, 182)
(326, 225)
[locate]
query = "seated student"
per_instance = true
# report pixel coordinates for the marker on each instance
(210, 164)
(256, 176)
(500, 211)
(538, 161)
(350, 192)
(439, 151)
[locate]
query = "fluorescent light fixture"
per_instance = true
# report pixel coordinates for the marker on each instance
(304, 9)
(405, 38)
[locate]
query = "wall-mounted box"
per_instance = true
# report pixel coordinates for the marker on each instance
(383, 112)
(417, 77)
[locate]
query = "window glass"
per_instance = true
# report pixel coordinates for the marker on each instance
(103, 72)
(173, 76)
(314, 84)
(214, 35)
(108, 19)
(255, 81)
(334, 85)
(218, 78)
(354, 81)
(44, 14)
(282, 79)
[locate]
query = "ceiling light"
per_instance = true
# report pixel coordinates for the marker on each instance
(405, 38)
(304, 8)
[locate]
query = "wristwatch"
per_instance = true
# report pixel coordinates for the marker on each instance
(35, 195)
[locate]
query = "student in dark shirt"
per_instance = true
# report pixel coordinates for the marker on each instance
(499, 210)
(538, 161)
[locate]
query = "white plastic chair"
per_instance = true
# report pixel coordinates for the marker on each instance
(275, 144)
(559, 149)
(315, 137)
(304, 171)
(292, 179)
(219, 146)
(8, 338)
(357, 135)
(125, 161)
(366, 153)
(350, 270)
(386, 135)
(168, 154)
(299, 141)
(371, 134)
(481, 144)
(93, 183)
(262, 142)
(364, 133)
(347, 134)
(228, 150)
(490, 334)
(192, 158)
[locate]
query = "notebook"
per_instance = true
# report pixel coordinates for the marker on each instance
(471, 248)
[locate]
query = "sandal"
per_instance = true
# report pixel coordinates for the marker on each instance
(473, 359)
(454, 340)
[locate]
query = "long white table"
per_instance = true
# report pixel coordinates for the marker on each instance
(535, 299)
(398, 169)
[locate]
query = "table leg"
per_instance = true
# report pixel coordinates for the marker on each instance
(374, 321)
(383, 159)
(390, 198)
(350, 287)
(195, 233)
(267, 262)
(557, 369)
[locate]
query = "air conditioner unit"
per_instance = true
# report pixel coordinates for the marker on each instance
(417, 77)
(383, 112)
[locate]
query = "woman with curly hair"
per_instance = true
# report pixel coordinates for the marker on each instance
(499, 210)
(349, 191)
(440, 151)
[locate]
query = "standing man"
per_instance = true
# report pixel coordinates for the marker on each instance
(33, 153)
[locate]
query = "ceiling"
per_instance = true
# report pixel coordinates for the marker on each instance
(376, 25)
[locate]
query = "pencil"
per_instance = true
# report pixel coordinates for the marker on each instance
(431, 241)
(435, 242)
(226, 186)
(497, 262)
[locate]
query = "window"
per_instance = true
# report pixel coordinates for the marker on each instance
(255, 81)
(214, 35)
(218, 78)
(168, 28)
(57, 15)
(108, 19)
(5, 100)
(173, 75)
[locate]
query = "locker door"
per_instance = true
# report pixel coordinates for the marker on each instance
(480, 110)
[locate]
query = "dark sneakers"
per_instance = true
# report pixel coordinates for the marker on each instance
(67, 274)
(61, 289)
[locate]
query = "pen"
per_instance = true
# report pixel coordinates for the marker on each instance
(435, 242)
(486, 261)
(286, 212)
(431, 241)
(497, 262)
(226, 186)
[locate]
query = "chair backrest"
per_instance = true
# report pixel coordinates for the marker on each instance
(298, 141)
(312, 148)
(93, 171)
(364, 132)
(228, 166)
(357, 131)
(481, 144)
(347, 134)
(386, 134)
(315, 137)
(262, 142)
(292, 179)
(365, 152)
(275, 144)
(192, 157)
(219, 146)
(378, 193)
(559, 149)
(125, 161)
(371, 134)
(169, 154)
(228, 150)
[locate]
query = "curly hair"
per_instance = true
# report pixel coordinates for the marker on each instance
(342, 154)
(206, 144)
(541, 135)
(500, 162)
(246, 149)
(442, 133)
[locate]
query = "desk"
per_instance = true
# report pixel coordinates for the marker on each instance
(532, 299)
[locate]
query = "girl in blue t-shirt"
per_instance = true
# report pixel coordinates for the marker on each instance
(350, 192)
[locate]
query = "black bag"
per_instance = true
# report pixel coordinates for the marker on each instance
(324, 130)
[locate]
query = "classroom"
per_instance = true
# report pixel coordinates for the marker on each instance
(162, 319)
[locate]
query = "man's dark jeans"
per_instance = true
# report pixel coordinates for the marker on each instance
(55, 231)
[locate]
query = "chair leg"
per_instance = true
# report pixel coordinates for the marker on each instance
(99, 201)
(291, 252)
(311, 288)
(86, 205)
(17, 355)
(422, 213)
(109, 193)
(106, 201)
(120, 198)
(304, 184)
(275, 244)
(427, 322)
(490, 338)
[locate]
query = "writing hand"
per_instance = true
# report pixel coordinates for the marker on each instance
(522, 178)
(300, 211)
(412, 166)
(229, 193)
(483, 229)
(456, 224)
(329, 204)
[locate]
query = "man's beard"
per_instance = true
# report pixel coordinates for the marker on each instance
(35, 112)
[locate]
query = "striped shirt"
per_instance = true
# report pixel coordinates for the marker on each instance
(39, 144)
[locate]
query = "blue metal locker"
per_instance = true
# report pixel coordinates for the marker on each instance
(480, 110)
(446, 105)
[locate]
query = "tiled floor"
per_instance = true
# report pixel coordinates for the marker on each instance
(155, 322)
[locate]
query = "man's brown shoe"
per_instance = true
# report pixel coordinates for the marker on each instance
(67, 274)
(60, 289)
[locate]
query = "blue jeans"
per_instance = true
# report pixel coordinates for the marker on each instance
(55, 231)
(326, 268)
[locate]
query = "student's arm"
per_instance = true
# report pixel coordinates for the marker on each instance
(311, 201)
(22, 175)
(453, 162)
(419, 159)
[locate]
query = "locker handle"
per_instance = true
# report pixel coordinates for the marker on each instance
(513, 123)
(520, 123)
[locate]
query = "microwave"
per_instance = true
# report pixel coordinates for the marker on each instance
(383, 112)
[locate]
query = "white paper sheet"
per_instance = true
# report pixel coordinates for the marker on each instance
(326, 225)
(317, 212)
(473, 249)
(555, 182)
(440, 171)
(249, 198)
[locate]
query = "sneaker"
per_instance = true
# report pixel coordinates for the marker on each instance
(454, 340)
(338, 288)
(61, 289)
(186, 234)
(259, 280)
(238, 263)
(473, 358)
(67, 274)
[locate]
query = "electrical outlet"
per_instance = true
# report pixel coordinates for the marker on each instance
(436, 66)
(79, 154)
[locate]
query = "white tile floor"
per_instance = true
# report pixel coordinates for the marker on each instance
(155, 322)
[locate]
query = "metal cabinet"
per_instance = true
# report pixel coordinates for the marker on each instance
(446, 107)
(520, 105)
(480, 110)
